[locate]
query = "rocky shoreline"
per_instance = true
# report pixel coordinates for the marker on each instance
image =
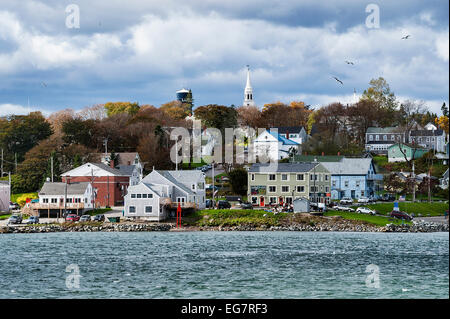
(338, 225)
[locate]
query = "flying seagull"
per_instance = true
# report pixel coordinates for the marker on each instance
(338, 80)
(43, 84)
(406, 37)
(349, 62)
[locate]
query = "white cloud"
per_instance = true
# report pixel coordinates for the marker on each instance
(14, 109)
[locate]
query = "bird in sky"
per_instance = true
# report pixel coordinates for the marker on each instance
(349, 62)
(338, 80)
(406, 37)
(43, 84)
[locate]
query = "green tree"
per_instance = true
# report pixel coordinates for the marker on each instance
(238, 180)
(380, 93)
(20, 133)
(218, 116)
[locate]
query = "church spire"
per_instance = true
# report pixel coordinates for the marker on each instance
(248, 92)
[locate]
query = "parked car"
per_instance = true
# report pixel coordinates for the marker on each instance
(400, 215)
(72, 218)
(363, 200)
(388, 197)
(344, 208)
(15, 219)
(85, 218)
(13, 206)
(221, 204)
(346, 201)
(32, 220)
(246, 205)
(99, 218)
(365, 210)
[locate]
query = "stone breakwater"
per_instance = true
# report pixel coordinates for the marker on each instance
(336, 226)
(52, 228)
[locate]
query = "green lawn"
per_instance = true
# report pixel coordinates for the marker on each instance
(98, 211)
(376, 220)
(3, 217)
(232, 217)
(425, 209)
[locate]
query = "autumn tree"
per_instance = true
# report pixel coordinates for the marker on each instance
(176, 109)
(380, 93)
(113, 108)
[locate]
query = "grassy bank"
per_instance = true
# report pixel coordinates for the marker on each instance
(376, 220)
(425, 209)
(258, 218)
(232, 217)
(98, 211)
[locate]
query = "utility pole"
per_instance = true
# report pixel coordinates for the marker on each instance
(176, 155)
(2, 165)
(15, 161)
(413, 183)
(51, 162)
(105, 143)
(213, 188)
(65, 199)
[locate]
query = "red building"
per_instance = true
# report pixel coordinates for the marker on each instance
(110, 185)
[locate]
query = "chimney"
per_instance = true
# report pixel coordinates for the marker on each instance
(129, 163)
(287, 134)
(111, 163)
(323, 153)
(339, 153)
(68, 179)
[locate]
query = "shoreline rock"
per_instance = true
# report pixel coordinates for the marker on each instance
(334, 226)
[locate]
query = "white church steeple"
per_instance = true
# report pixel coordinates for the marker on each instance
(248, 92)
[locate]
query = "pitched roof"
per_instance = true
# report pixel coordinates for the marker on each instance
(126, 169)
(413, 146)
(426, 133)
(182, 177)
(311, 158)
(383, 130)
(282, 167)
(282, 139)
(349, 166)
(288, 129)
(102, 166)
(58, 188)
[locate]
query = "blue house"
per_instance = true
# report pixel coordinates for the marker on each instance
(354, 178)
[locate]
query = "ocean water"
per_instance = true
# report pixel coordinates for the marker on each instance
(224, 265)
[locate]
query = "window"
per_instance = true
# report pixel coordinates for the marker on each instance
(272, 189)
(133, 195)
(54, 200)
(314, 189)
(357, 183)
(138, 195)
(377, 137)
(300, 177)
(45, 200)
(148, 209)
(385, 138)
(272, 177)
(300, 189)
(313, 177)
(150, 195)
(392, 137)
(253, 177)
(284, 177)
(327, 189)
(254, 200)
(346, 183)
(144, 195)
(326, 177)
(285, 189)
(272, 200)
(370, 137)
(333, 183)
(193, 186)
(132, 209)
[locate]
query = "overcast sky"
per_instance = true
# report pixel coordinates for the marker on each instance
(143, 51)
